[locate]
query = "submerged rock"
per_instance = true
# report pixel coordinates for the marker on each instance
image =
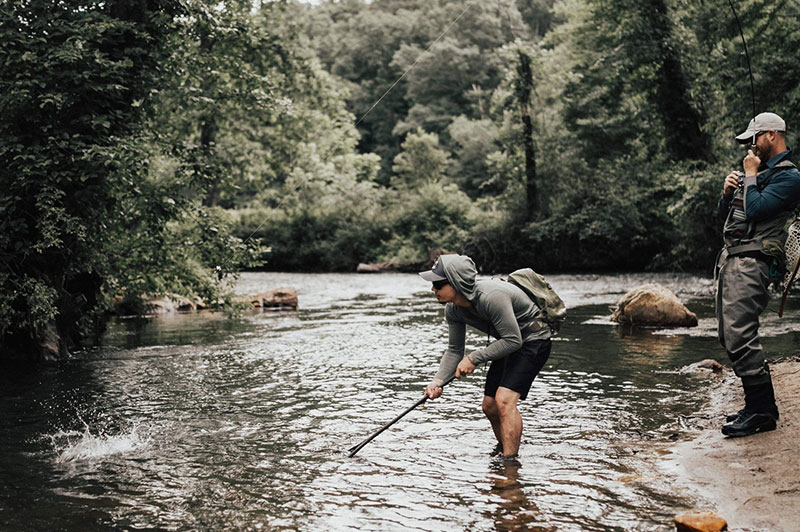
(170, 303)
(700, 522)
(283, 298)
(279, 298)
(653, 305)
(707, 364)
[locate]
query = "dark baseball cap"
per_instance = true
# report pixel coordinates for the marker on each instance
(436, 273)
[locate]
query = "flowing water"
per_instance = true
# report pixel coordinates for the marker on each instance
(205, 422)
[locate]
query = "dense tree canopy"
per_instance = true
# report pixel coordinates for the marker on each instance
(157, 146)
(74, 82)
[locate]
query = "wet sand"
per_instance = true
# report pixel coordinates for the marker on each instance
(752, 482)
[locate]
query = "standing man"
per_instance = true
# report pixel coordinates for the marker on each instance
(755, 206)
(519, 351)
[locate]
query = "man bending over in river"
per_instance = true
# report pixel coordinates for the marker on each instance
(519, 351)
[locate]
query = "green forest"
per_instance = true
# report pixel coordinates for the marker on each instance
(161, 146)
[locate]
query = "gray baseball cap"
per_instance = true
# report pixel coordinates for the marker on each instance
(760, 124)
(436, 273)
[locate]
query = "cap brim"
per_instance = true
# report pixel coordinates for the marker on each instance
(746, 137)
(431, 277)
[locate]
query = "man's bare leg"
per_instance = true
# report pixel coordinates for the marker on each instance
(510, 420)
(490, 409)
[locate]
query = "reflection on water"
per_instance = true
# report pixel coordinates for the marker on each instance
(201, 422)
(644, 347)
(515, 511)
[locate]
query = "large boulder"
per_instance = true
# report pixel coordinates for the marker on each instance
(653, 305)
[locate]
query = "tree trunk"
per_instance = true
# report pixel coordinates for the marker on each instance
(208, 135)
(208, 129)
(523, 90)
(50, 347)
(682, 122)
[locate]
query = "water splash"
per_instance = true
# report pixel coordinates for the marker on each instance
(71, 446)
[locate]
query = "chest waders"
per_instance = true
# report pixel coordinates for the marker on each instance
(752, 257)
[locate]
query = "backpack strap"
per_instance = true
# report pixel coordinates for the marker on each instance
(786, 163)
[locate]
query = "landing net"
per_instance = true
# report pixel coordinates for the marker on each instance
(792, 251)
(792, 255)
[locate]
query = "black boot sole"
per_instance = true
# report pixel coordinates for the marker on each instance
(738, 432)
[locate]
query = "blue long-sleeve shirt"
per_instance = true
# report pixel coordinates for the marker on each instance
(782, 192)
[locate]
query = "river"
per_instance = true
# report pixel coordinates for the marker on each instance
(202, 421)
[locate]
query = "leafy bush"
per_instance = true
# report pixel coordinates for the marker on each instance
(435, 215)
(87, 214)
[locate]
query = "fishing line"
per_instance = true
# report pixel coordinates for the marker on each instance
(416, 61)
(747, 57)
(469, 4)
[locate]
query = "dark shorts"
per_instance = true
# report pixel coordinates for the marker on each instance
(517, 371)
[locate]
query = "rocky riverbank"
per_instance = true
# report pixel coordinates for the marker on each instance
(284, 298)
(753, 482)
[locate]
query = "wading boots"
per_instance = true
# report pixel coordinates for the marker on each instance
(732, 417)
(760, 413)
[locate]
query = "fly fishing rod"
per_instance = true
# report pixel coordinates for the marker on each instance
(749, 69)
(755, 150)
(354, 449)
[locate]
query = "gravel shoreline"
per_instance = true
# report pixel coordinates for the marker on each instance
(752, 482)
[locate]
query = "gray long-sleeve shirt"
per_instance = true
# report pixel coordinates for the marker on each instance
(497, 308)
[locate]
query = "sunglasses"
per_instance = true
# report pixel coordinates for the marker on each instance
(438, 285)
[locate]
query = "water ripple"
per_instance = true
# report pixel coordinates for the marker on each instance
(202, 422)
